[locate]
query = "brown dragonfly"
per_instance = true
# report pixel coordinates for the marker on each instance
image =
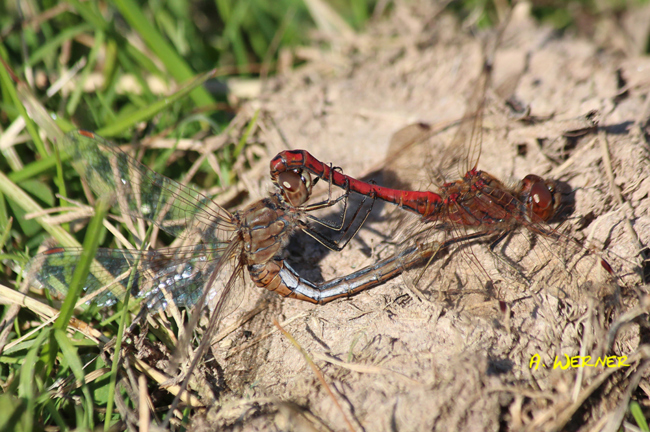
(253, 238)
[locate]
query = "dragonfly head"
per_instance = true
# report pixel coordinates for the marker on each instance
(543, 197)
(295, 186)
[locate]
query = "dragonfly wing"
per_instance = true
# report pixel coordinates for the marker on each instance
(418, 158)
(470, 134)
(142, 193)
(159, 276)
(407, 160)
(469, 137)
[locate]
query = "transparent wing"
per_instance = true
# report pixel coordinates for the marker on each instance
(142, 193)
(159, 276)
(464, 150)
(419, 155)
(466, 144)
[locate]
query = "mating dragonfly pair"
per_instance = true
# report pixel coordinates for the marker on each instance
(255, 238)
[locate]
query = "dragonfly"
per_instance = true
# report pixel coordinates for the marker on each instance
(478, 202)
(479, 199)
(476, 206)
(253, 238)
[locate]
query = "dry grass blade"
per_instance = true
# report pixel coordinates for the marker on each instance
(316, 371)
(161, 378)
(144, 404)
(362, 368)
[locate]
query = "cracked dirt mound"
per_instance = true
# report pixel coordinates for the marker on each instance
(458, 356)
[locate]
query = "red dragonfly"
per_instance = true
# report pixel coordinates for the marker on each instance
(478, 202)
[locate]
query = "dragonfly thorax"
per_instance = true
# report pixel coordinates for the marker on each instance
(265, 229)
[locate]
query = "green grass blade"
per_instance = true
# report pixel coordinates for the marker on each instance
(124, 122)
(91, 243)
(90, 65)
(72, 358)
(15, 193)
(53, 44)
(27, 379)
(33, 169)
(5, 222)
(89, 14)
(640, 419)
(120, 335)
(233, 32)
(39, 114)
(174, 63)
(247, 132)
(14, 94)
(12, 409)
(56, 415)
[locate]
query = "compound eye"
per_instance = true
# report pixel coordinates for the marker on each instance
(542, 197)
(295, 187)
(290, 181)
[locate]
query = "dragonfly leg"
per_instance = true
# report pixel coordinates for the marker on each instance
(329, 202)
(339, 226)
(504, 259)
(342, 242)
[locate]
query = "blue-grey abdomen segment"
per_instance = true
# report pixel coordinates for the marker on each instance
(279, 277)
